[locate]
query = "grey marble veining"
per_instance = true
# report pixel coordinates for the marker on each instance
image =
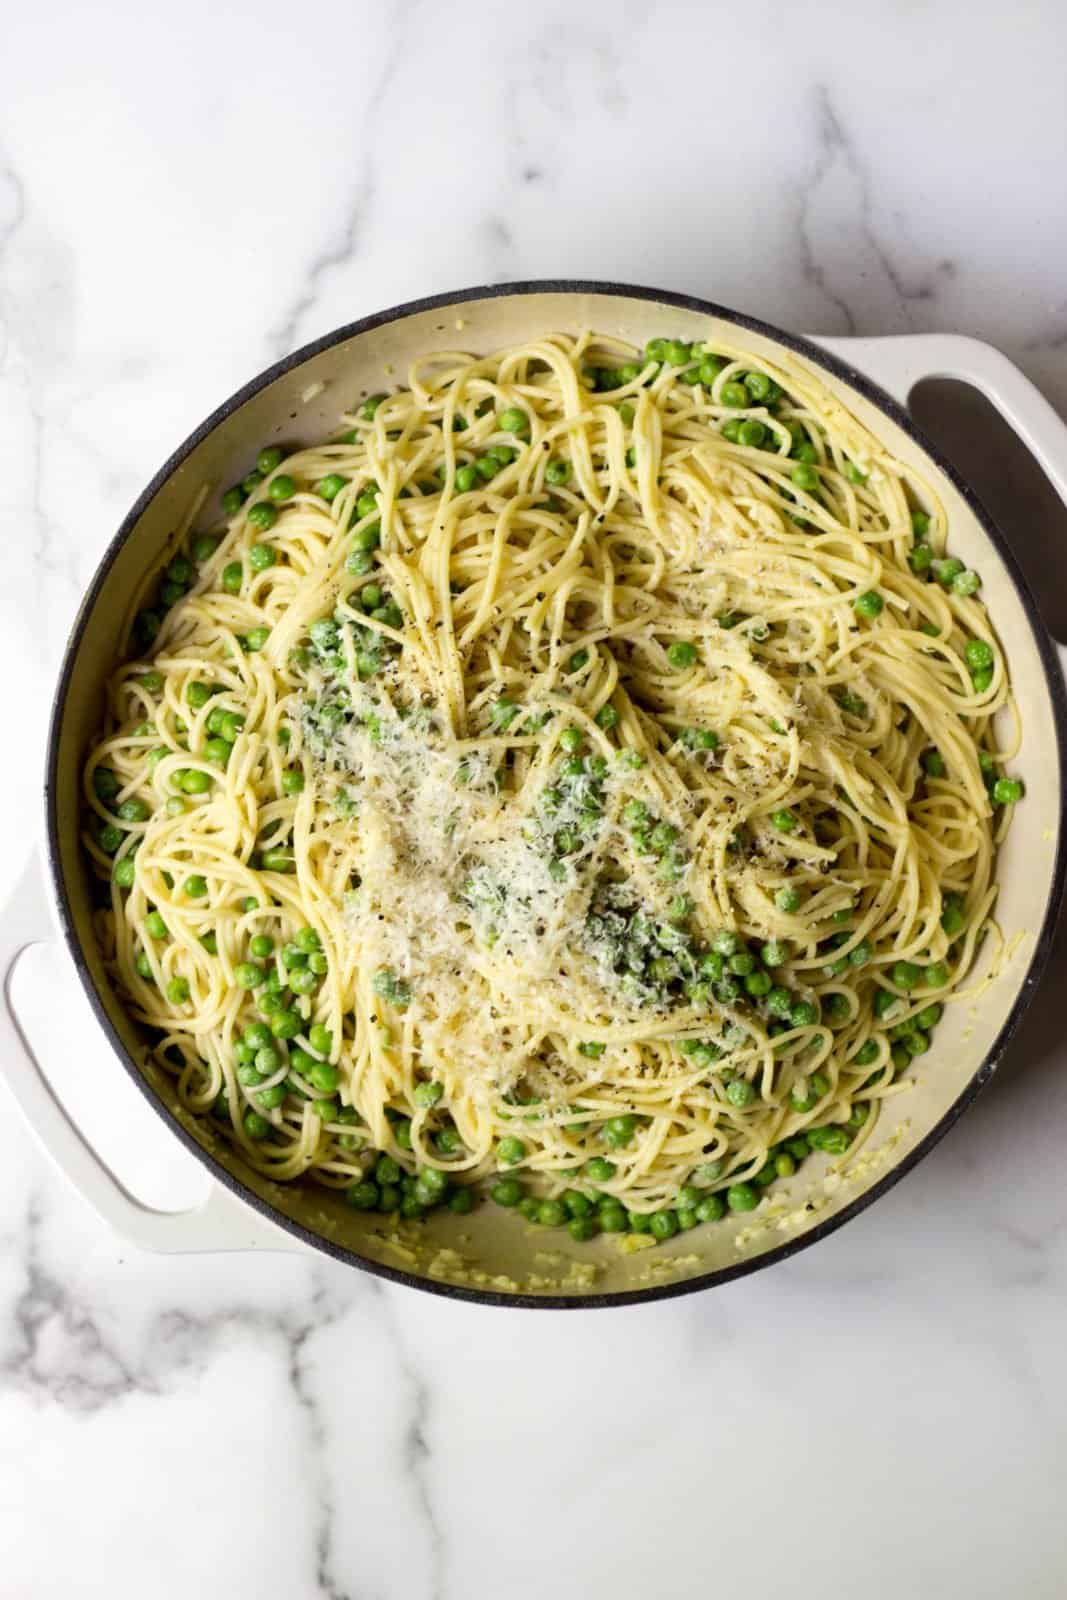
(183, 198)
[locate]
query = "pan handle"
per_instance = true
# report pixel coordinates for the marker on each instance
(220, 1222)
(900, 362)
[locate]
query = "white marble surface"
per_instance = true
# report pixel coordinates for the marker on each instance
(183, 197)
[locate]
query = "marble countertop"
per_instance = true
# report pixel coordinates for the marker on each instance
(184, 196)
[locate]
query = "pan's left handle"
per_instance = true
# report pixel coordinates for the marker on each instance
(220, 1222)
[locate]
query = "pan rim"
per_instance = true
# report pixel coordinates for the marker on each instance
(818, 357)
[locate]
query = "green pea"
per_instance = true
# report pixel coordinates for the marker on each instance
(363, 1196)
(369, 409)
(784, 821)
(285, 1024)
(921, 558)
(178, 991)
(1008, 791)
(734, 395)
(255, 1126)
(124, 872)
(805, 477)
(557, 472)
(787, 900)
(321, 1039)
(432, 1185)
(551, 1214)
(506, 1192)
(752, 433)
(944, 571)
(155, 925)
(869, 604)
(510, 1150)
(920, 524)
(283, 487)
(428, 1094)
(513, 420)
(779, 1002)
(866, 1054)
(578, 660)
(232, 577)
(195, 886)
(217, 751)
(906, 974)
(386, 1170)
(967, 582)
(933, 763)
(179, 570)
(731, 430)
(233, 500)
(269, 457)
(320, 1074)
(330, 487)
(247, 975)
(804, 1014)
(261, 517)
(774, 953)
(195, 781)
(853, 473)
(599, 1169)
(292, 780)
(833, 1139)
(710, 1208)
(740, 1092)
(277, 861)
(576, 1203)
(681, 654)
(884, 1002)
(134, 810)
(978, 653)
(146, 626)
(618, 1131)
(261, 556)
(461, 1201)
(742, 1197)
(664, 1224)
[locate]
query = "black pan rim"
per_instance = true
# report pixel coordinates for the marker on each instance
(1028, 983)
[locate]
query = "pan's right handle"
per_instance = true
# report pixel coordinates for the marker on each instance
(221, 1222)
(900, 362)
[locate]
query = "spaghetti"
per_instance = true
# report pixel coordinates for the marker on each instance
(578, 775)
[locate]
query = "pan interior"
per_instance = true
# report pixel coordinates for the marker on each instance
(493, 1251)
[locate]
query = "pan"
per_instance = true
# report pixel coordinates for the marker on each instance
(490, 1257)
